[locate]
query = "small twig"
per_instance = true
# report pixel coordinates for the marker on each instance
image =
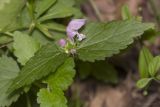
(97, 12)
(150, 100)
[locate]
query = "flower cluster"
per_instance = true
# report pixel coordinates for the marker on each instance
(73, 34)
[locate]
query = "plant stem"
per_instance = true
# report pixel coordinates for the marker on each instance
(8, 34)
(97, 12)
(28, 101)
(30, 6)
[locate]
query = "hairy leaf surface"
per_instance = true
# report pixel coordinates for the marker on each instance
(24, 47)
(58, 82)
(9, 10)
(63, 77)
(105, 39)
(42, 6)
(46, 60)
(8, 71)
(55, 98)
(59, 10)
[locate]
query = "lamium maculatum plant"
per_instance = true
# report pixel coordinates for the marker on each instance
(38, 51)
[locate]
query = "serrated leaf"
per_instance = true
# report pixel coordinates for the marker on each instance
(106, 39)
(8, 71)
(24, 46)
(57, 82)
(142, 83)
(51, 99)
(144, 59)
(42, 6)
(63, 77)
(9, 10)
(59, 10)
(154, 66)
(46, 60)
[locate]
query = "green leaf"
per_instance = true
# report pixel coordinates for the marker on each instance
(55, 26)
(8, 71)
(57, 82)
(43, 40)
(142, 83)
(126, 14)
(154, 66)
(58, 35)
(44, 30)
(63, 77)
(24, 47)
(144, 59)
(42, 6)
(59, 10)
(9, 10)
(67, 2)
(100, 70)
(84, 69)
(5, 39)
(46, 60)
(51, 99)
(105, 72)
(23, 21)
(105, 39)
(77, 13)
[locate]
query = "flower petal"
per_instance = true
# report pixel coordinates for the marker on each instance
(76, 24)
(71, 34)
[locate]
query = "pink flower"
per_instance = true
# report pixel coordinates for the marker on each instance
(62, 42)
(73, 27)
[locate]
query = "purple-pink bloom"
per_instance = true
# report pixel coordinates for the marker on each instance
(74, 26)
(62, 42)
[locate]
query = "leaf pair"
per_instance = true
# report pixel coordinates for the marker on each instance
(148, 67)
